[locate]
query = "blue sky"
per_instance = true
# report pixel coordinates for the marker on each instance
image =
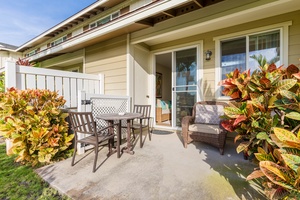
(22, 20)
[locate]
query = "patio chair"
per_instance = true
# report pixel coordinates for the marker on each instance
(142, 122)
(205, 125)
(83, 123)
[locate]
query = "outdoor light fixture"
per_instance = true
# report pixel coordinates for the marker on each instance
(208, 54)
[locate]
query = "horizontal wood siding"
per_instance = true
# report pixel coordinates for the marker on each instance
(109, 58)
(208, 80)
(294, 40)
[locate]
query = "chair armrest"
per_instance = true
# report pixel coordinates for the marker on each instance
(186, 121)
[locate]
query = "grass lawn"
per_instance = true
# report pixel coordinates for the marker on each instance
(21, 182)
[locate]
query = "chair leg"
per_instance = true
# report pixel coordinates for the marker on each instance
(74, 154)
(221, 151)
(110, 146)
(149, 133)
(133, 134)
(141, 134)
(96, 157)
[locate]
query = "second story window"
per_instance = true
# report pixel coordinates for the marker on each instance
(58, 41)
(104, 20)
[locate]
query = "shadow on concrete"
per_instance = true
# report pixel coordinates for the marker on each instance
(232, 166)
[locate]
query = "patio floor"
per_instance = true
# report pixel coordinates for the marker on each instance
(162, 169)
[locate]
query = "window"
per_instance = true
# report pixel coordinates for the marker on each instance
(31, 53)
(58, 41)
(237, 52)
(93, 25)
(115, 15)
(103, 20)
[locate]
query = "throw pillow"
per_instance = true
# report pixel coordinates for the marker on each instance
(208, 114)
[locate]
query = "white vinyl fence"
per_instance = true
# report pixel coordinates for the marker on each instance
(82, 92)
(67, 84)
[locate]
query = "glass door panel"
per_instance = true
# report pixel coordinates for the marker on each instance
(184, 83)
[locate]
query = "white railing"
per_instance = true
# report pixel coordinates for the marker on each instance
(67, 84)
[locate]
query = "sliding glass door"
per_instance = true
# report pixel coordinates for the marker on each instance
(184, 88)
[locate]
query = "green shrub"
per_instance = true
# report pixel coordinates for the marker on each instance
(265, 113)
(32, 119)
(2, 82)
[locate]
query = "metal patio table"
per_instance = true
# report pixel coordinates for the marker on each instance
(111, 117)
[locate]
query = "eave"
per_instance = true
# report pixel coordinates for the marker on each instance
(147, 16)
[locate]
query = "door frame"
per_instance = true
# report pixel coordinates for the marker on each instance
(200, 62)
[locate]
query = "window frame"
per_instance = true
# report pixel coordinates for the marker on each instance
(283, 30)
(58, 41)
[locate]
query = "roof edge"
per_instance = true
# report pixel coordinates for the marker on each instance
(69, 19)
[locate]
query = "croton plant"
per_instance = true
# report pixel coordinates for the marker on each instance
(33, 121)
(264, 112)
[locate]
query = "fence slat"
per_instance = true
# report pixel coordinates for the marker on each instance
(41, 84)
(58, 85)
(65, 83)
(73, 92)
(50, 83)
(66, 91)
(30, 81)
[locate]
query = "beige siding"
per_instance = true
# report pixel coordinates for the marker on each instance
(109, 58)
(208, 80)
(141, 74)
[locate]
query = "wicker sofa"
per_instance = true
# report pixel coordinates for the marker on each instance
(204, 125)
(163, 110)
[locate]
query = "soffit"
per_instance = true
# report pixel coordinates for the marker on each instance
(178, 9)
(76, 19)
(222, 15)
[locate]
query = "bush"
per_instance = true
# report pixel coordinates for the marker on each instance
(32, 119)
(265, 114)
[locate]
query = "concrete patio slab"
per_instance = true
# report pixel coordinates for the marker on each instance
(162, 169)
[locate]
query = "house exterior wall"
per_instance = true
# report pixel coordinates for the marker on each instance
(59, 62)
(209, 80)
(142, 73)
(8, 56)
(109, 58)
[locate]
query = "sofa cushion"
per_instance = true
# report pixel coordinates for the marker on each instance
(164, 104)
(205, 128)
(208, 114)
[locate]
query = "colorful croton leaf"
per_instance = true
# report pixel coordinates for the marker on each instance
(35, 124)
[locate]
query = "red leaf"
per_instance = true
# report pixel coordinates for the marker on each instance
(236, 73)
(272, 67)
(292, 69)
(266, 82)
(250, 109)
(297, 75)
(227, 125)
(235, 95)
(239, 119)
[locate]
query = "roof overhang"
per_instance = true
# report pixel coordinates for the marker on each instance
(215, 17)
(126, 24)
(74, 20)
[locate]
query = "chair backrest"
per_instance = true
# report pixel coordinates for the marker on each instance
(83, 122)
(208, 112)
(144, 109)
